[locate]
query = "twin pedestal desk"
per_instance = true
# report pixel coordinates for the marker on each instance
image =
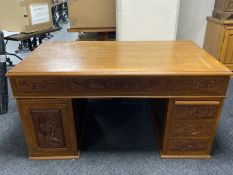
(185, 85)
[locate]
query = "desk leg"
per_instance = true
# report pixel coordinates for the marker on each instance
(185, 128)
(49, 128)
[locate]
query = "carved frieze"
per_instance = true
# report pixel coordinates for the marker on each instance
(118, 85)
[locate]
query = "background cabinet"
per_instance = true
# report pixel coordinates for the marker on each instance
(219, 40)
(223, 9)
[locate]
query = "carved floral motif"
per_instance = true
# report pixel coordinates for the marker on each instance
(177, 86)
(27, 85)
(48, 128)
(207, 85)
(184, 112)
(188, 145)
(182, 129)
(123, 85)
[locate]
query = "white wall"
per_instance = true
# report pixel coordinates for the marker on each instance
(147, 19)
(192, 19)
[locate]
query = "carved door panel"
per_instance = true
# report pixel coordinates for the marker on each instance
(49, 127)
(229, 5)
(227, 49)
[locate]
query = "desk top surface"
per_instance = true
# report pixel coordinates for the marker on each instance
(111, 58)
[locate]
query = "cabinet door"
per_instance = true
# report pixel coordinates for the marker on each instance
(49, 127)
(227, 49)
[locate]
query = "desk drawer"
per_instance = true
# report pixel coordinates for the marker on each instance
(188, 146)
(36, 86)
(191, 130)
(195, 110)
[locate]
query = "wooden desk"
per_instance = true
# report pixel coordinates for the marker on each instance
(186, 86)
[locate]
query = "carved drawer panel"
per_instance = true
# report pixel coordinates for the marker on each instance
(48, 128)
(206, 85)
(118, 85)
(188, 145)
(140, 86)
(191, 130)
(37, 86)
(195, 110)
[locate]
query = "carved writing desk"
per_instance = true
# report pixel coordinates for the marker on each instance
(186, 87)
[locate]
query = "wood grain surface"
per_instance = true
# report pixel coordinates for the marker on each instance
(119, 58)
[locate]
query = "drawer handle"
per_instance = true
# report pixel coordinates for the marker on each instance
(188, 148)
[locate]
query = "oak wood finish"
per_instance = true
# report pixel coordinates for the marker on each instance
(219, 40)
(110, 58)
(186, 84)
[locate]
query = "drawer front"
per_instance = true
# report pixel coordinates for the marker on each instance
(188, 145)
(118, 85)
(36, 86)
(194, 110)
(205, 85)
(191, 130)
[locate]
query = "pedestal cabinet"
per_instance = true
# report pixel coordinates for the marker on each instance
(51, 127)
(219, 40)
(185, 128)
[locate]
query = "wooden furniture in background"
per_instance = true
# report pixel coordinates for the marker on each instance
(223, 9)
(102, 34)
(92, 13)
(186, 86)
(96, 18)
(219, 40)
